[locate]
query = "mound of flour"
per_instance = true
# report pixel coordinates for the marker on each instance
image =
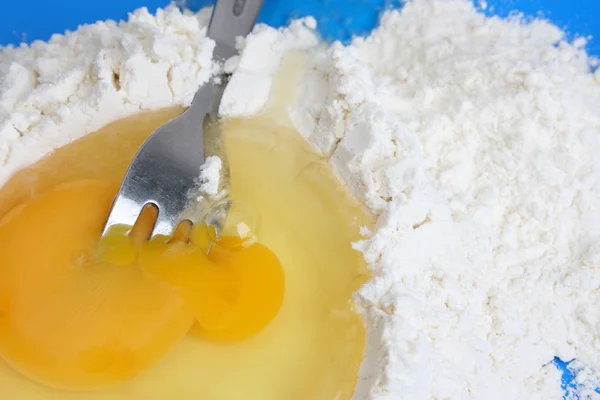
(52, 93)
(474, 140)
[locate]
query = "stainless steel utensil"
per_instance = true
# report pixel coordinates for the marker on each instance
(167, 165)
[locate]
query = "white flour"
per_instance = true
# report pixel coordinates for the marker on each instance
(210, 174)
(474, 140)
(52, 93)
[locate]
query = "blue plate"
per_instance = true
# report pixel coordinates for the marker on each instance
(338, 19)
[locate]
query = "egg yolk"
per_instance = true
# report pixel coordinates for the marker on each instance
(80, 313)
(233, 294)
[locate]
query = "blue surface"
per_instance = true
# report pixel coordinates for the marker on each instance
(338, 19)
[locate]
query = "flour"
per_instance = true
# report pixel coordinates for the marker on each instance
(210, 174)
(261, 53)
(52, 93)
(474, 140)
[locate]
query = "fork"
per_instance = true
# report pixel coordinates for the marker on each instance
(165, 169)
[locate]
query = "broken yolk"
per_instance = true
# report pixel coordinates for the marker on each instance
(79, 313)
(72, 320)
(233, 294)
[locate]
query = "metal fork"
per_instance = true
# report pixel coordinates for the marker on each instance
(166, 167)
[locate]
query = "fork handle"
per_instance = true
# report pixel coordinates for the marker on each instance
(230, 19)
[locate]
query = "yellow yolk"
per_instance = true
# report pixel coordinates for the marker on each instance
(79, 313)
(260, 280)
(233, 293)
(303, 214)
(72, 320)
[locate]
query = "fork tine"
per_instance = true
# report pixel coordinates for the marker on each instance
(165, 222)
(165, 168)
(124, 212)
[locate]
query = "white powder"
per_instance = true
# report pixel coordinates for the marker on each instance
(210, 176)
(52, 93)
(261, 53)
(473, 139)
(476, 142)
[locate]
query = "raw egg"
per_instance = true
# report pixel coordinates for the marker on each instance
(77, 312)
(313, 346)
(71, 319)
